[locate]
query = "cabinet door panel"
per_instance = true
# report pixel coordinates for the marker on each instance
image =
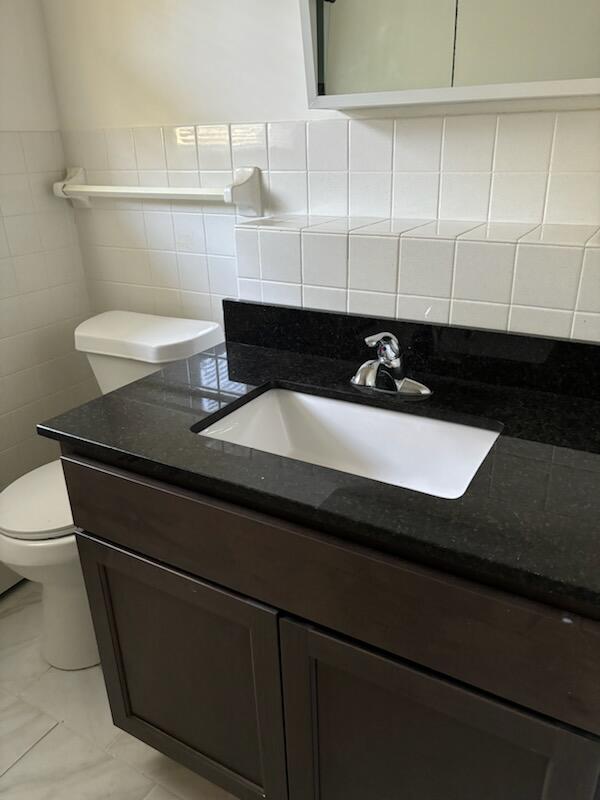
(190, 669)
(362, 725)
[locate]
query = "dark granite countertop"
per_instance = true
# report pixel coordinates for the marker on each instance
(528, 523)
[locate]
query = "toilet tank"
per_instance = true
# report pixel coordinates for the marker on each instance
(123, 346)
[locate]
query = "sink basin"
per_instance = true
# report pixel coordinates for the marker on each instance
(427, 455)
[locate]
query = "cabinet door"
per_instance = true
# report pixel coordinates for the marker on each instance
(361, 725)
(190, 669)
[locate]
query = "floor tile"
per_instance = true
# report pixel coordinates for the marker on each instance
(64, 766)
(78, 699)
(183, 783)
(21, 727)
(158, 793)
(21, 660)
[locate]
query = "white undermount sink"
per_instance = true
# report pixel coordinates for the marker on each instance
(427, 455)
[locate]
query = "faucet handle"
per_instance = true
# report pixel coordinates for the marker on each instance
(388, 348)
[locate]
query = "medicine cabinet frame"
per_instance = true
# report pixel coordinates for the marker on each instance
(532, 90)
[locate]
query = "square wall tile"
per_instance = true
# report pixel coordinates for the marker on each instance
(87, 149)
(479, 315)
(465, 195)
(540, 321)
(416, 194)
(417, 144)
(15, 195)
(159, 230)
(249, 289)
(426, 267)
(371, 145)
(373, 263)
(380, 305)
(577, 143)
(287, 294)
(524, 142)
(120, 149)
(149, 148)
(280, 256)
(325, 259)
(287, 145)
(573, 197)
(43, 151)
(180, 146)
(328, 145)
(469, 143)
(328, 193)
(214, 147)
(589, 291)
(249, 146)
(11, 282)
(370, 194)
(587, 327)
(11, 153)
(189, 233)
(22, 234)
(560, 234)
(246, 241)
(193, 272)
(222, 276)
(288, 193)
(219, 230)
(196, 305)
(423, 309)
(163, 269)
(518, 196)
(484, 271)
(547, 276)
(323, 298)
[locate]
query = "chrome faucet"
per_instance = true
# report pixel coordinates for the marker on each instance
(386, 372)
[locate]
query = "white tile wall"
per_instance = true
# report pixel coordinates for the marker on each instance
(43, 297)
(502, 276)
(523, 168)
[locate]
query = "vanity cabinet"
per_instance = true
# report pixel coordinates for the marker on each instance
(361, 725)
(280, 662)
(190, 669)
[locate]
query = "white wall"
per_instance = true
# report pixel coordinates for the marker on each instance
(147, 89)
(43, 293)
(27, 100)
(155, 62)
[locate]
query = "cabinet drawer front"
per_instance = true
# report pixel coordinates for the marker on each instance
(528, 653)
(190, 669)
(362, 725)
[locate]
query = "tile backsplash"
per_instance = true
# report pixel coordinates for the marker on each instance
(42, 297)
(506, 276)
(539, 171)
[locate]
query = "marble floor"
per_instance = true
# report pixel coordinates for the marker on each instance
(57, 740)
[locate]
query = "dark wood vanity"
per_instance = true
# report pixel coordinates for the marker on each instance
(281, 662)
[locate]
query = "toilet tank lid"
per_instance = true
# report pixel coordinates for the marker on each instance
(145, 337)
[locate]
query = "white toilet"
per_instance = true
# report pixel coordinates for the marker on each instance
(36, 527)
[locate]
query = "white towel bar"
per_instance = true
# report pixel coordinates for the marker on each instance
(244, 192)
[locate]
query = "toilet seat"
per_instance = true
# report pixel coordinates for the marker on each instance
(36, 505)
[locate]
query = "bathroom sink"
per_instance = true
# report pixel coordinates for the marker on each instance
(427, 455)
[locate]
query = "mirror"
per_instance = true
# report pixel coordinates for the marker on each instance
(363, 47)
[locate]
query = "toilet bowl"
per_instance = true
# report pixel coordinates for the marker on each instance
(37, 541)
(37, 535)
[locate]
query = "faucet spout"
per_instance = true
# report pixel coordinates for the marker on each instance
(386, 372)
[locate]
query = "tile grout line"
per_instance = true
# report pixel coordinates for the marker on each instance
(31, 747)
(493, 169)
(549, 170)
(577, 293)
